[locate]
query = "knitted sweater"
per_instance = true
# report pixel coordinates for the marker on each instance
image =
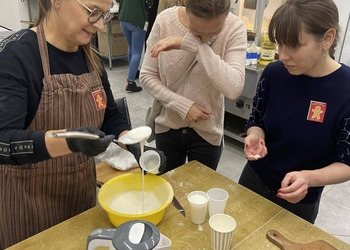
(134, 11)
(306, 123)
(220, 72)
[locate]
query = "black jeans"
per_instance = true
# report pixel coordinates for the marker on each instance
(177, 144)
(251, 180)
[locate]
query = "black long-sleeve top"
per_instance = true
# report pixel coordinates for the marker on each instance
(21, 75)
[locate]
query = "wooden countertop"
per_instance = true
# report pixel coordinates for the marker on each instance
(254, 216)
(104, 172)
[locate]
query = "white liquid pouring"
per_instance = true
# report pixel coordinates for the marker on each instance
(130, 200)
(142, 144)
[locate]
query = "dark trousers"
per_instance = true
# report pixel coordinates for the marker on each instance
(251, 180)
(185, 142)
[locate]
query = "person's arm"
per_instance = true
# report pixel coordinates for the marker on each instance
(151, 75)
(56, 146)
(18, 145)
(227, 73)
(295, 184)
(114, 121)
(333, 174)
(254, 142)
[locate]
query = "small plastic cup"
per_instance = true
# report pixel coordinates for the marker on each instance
(221, 231)
(150, 161)
(198, 202)
(217, 201)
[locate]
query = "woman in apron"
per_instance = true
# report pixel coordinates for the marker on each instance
(50, 80)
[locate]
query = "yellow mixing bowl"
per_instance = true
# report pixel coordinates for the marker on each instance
(133, 182)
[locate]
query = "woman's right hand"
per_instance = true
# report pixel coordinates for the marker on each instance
(87, 146)
(197, 113)
(254, 147)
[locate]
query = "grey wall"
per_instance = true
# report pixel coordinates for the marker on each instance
(13, 11)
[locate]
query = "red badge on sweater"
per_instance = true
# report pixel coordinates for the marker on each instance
(99, 102)
(317, 110)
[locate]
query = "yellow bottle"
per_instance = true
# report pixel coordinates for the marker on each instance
(267, 50)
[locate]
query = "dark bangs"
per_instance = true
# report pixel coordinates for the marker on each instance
(285, 26)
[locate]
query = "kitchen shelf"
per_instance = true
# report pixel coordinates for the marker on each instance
(234, 127)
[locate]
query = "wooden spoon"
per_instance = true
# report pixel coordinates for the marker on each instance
(283, 243)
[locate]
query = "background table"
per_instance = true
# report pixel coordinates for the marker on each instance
(254, 216)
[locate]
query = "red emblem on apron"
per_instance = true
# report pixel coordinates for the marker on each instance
(317, 110)
(99, 102)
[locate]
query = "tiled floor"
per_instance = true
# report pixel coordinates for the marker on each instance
(334, 214)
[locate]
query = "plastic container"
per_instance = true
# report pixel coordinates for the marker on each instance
(248, 59)
(132, 182)
(267, 50)
(254, 55)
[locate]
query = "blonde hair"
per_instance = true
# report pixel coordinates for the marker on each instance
(44, 7)
(208, 9)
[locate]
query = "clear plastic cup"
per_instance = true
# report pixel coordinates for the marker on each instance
(150, 161)
(198, 202)
(217, 201)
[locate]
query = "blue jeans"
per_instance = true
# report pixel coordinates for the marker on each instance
(135, 38)
(177, 144)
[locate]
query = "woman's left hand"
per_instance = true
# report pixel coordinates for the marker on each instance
(294, 187)
(166, 44)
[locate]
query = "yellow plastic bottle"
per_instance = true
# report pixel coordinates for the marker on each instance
(267, 50)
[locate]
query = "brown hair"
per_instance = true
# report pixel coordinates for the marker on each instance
(312, 16)
(44, 7)
(208, 9)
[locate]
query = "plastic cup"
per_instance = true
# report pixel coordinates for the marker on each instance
(150, 161)
(217, 201)
(221, 231)
(198, 202)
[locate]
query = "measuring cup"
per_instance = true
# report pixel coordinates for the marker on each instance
(150, 161)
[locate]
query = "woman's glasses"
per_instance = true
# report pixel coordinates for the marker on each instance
(96, 14)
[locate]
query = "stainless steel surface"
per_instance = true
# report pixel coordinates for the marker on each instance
(178, 206)
(233, 135)
(73, 134)
(242, 106)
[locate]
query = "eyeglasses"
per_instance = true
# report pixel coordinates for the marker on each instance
(96, 14)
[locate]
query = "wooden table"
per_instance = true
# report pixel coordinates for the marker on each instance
(254, 216)
(104, 172)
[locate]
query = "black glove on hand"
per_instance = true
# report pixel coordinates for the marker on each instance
(136, 151)
(87, 146)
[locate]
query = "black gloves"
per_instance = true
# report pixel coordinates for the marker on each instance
(136, 151)
(87, 146)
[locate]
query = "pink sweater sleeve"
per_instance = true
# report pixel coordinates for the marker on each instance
(226, 71)
(156, 81)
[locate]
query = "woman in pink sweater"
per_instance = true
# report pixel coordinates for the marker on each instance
(191, 123)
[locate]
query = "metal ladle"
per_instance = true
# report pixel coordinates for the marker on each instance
(133, 136)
